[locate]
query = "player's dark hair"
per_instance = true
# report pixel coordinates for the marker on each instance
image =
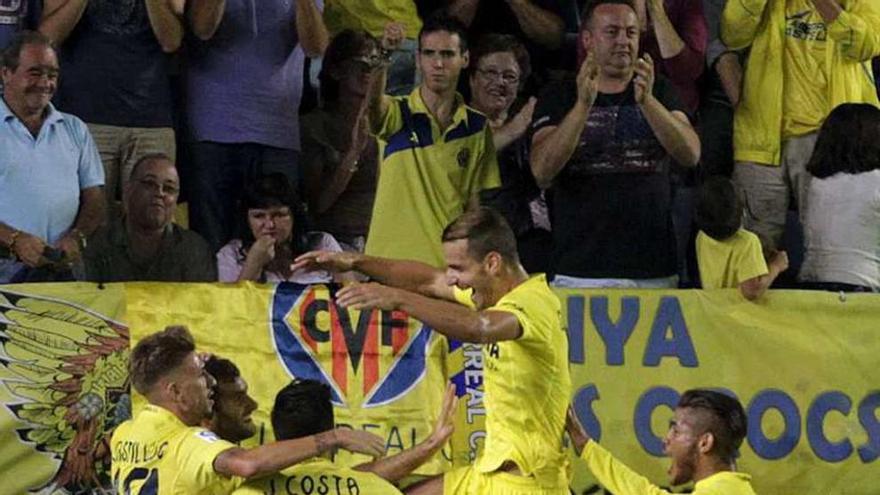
(302, 408)
(222, 369)
(12, 53)
(728, 423)
(719, 208)
(444, 22)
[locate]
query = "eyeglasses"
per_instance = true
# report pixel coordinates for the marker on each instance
(154, 186)
(507, 77)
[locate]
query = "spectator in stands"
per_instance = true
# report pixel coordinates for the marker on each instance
(114, 56)
(50, 172)
(537, 23)
(304, 408)
(340, 158)
(166, 369)
(703, 442)
(842, 211)
(605, 144)
(374, 16)
(437, 153)
(16, 16)
(806, 58)
(500, 67)
(231, 413)
(273, 234)
(145, 245)
(674, 32)
(722, 89)
(728, 255)
(244, 83)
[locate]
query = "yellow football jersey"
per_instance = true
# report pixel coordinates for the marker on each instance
(156, 454)
(527, 387)
(319, 476)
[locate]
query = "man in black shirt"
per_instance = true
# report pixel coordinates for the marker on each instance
(603, 146)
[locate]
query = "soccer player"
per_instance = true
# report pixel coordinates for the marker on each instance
(304, 408)
(163, 451)
(702, 441)
(525, 349)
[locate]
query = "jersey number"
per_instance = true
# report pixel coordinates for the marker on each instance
(150, 486)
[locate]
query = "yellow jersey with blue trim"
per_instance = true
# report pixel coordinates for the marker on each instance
(319, 476)
(157, 454)
(527, 387)
(428, 175)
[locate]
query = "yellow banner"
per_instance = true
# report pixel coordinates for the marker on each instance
(803, 364)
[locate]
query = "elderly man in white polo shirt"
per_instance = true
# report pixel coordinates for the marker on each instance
(51, 176)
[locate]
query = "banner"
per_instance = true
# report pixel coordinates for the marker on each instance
(804, 365)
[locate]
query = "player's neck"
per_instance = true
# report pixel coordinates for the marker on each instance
(709, 466)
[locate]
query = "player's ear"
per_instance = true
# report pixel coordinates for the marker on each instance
(706, 442)
(492, 262)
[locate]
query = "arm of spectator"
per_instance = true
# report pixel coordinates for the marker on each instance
(204, 17)
(378, 102)
(404, 274)
(310, 28)
(541, 26)
(88, 219)
(672, 129)
(682, 47)
(755, 287)
(166, 20)
(516, 127)
(856, 29)
(552, 146)
(730, 72)
(273, 457)
(740, 22)
(394, 468)
(26, 247)
(60, 17)
(261, 252)
(454, 320)
(463, 10)
(325, 185)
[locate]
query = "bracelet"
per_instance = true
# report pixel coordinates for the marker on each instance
(81, 239)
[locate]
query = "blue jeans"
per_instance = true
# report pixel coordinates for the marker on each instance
(218, 175)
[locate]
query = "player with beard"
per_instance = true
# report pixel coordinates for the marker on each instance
(163, 451)
(702, 441)
(484, 296)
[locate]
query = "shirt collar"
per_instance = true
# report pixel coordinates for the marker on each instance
(417, 105)
(52, 117)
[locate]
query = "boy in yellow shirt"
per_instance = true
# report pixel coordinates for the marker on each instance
(729, 256)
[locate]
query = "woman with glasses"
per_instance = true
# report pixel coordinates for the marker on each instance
(340, 157)
(500, 64)
(273, 234)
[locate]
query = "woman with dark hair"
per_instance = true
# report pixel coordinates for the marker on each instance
(273, 233)
(842, 211)
(340, 157)
(499, 66)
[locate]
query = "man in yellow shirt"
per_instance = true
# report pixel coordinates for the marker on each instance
(163, 451)
(702, 441)
(304, 408)
(437, 153)
(525, 347)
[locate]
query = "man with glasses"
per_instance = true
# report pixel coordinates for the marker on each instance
(145, 245)
(437, 153)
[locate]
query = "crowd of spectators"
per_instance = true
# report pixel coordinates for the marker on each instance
(583, 122)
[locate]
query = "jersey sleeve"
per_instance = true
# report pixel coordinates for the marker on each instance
(198, 451)
(463, 297)
(488, 174)
(751, 261)
(615, 475)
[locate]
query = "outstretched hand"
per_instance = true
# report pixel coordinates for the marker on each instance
(331, 261)
(370, 295)
(361, 442)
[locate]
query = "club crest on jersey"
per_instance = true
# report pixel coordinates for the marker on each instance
(370, 358)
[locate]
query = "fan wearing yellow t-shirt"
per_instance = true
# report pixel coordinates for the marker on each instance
(525, 348)
(729, 256)
(163, 451)
(702, 441)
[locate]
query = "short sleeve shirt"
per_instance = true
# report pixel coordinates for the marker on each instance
(156, 453)
(728, 263)
(41, 177)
